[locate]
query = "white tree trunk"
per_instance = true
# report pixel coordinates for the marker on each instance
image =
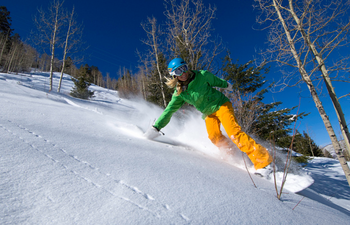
(65, 49)
(326, 78)
(11, 59)
(155, 46)
(314, 95)
(53, 45)
(4, 44)
(152, 33)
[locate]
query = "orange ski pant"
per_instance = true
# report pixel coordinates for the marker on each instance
(259, 156)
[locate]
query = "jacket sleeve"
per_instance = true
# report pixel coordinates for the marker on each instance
(213, 80)
(175, 103)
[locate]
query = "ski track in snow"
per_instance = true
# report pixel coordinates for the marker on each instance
(92, 175)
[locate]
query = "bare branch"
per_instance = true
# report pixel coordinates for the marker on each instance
(189, 26)
(49, 27)
(344, 96)
(304, 34)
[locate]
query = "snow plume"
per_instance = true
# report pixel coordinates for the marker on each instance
(185, 126)
(188, 128)
(297, 177)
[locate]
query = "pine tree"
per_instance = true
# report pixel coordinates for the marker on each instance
(275, 125)
(81, 85)
(244, 78)
(256, 117)
(153, 86)
(5, 34)
(303, 144)
(5, 21)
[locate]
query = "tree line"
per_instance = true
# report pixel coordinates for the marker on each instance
(14, 54)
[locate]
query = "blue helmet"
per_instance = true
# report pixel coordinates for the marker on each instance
(175, 64)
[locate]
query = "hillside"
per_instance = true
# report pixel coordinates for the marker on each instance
(71, 161)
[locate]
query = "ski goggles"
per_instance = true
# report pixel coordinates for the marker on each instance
(178, 71)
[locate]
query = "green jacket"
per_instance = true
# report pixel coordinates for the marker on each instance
(200, 93)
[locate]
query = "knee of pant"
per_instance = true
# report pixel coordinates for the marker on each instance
(235, 129)
(224, 142)
(221, 141)
(215, 139)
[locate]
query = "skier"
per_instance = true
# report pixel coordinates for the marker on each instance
(196, 88)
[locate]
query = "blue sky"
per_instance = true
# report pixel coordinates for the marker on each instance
(113, 32)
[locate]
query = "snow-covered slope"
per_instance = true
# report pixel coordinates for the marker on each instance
(71, 161)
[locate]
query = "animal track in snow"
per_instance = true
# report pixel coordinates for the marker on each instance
(92, 175)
